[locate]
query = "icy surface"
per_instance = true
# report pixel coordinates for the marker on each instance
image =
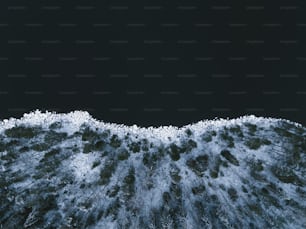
(72, 171)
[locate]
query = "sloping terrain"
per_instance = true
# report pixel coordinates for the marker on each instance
(72, 171)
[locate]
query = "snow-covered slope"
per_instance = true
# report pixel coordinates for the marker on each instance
(72, 171)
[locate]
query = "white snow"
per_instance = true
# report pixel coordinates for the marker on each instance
(76, 180)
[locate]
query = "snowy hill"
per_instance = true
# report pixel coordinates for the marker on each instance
(72, 171)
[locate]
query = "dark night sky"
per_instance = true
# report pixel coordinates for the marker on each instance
(154, 62)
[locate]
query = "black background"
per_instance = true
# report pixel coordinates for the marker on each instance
(154, 62)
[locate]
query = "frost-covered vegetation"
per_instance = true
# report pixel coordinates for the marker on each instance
(72, 171)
